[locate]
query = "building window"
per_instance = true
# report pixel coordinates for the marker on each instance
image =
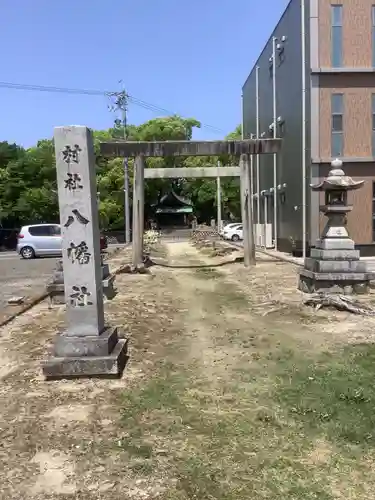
(337, 130)
(373, 125)
(373, 36)
(336, 23)
(373, 211)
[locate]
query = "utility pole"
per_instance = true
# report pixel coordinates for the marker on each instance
(218, 199)
(121, 104)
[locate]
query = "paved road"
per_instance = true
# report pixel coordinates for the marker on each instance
(23, 278)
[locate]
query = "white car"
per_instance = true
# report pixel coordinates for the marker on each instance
(229, 226)
(233, 233)
(41, 240)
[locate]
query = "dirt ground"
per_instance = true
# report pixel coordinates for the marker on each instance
(206, 408)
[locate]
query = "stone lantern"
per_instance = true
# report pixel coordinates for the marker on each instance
(334, 264)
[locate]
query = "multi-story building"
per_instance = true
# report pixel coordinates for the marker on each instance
(322, 93)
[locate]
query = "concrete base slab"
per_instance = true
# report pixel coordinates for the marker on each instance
(342, 283)
(355, 277)
(335, 244)
(319, 254)
(335, 266)
(111, 365)
(95, 345)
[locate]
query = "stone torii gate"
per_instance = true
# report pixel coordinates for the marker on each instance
(141, 150)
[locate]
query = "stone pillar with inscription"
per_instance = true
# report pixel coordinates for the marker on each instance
(87, 347)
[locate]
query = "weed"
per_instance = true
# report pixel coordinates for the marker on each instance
(207, 272)
(143, 468)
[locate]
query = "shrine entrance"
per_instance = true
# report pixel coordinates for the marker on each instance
(173, 212)
(141, 150)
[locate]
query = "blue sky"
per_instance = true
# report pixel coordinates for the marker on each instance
(188, 57)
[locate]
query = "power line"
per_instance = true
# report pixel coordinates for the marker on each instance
(65, 90)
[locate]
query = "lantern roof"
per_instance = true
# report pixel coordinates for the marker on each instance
(337, 179)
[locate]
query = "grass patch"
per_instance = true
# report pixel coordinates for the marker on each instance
(142, 468)
(334, 396)
(230, 297)
(207, 272)
(241, 440)
(136, 450)
(161, 392)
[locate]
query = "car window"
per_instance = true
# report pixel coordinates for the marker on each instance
(41, 230)
(56, 230)
(239, 228)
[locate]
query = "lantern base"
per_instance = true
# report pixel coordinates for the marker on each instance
(345, 283)
(335, 244)
(335, 266)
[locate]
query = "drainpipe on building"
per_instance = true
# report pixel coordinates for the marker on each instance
(274, 136)
(242, 118)
(265, 218)
(303, 51)
(257, 136)
(252, 181)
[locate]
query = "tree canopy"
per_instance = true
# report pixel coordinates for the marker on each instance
(28, 191)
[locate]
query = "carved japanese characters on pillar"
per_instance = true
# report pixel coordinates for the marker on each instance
(78, 216)
(71, 154)
(76, 253)
(73, 179)
(80, 231)
(79, 253)
(79, 296)
(73, 182)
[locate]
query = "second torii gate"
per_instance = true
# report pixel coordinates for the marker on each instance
(141, 150)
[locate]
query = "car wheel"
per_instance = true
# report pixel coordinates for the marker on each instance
(27, 253)
(235, 237)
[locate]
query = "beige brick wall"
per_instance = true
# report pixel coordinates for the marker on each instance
(357, 90)
(357, 29)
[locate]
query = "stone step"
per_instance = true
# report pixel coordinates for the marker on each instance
(335, 266)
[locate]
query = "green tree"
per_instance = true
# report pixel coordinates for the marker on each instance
(236, 134)
(28, 191)
(28, 185)
(111, 172)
